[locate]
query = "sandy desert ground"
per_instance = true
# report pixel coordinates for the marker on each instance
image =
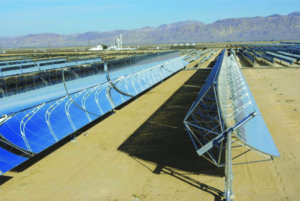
(277, 94)
(143, 151)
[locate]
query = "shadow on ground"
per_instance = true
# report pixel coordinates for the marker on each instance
(163, 140)
(67, 139)
(4, 179)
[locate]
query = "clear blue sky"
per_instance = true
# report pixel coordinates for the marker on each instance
(21, 17)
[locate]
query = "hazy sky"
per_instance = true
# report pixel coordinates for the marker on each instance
(21, 17)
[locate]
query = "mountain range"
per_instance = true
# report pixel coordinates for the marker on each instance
(276, 27)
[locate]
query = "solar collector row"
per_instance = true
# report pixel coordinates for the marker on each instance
(274, 54)
(290, 55)
(208, 56)
(281, 57)
(254, 133)
(14, 62)
(28, 83)
(43, 65)
(248, 56)
(50, 122)
(268, 58)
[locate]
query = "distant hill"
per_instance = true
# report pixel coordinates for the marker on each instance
(236, 29)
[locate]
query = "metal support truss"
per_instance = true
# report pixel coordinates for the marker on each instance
(98, 91)
(118, 86)
(24, 121)
(132, 82)
(48, 115)
(84, 98)
(67, 107)
(204, 123)
(108, 96)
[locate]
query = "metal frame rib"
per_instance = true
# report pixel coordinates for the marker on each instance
(48, 115)
(24, 121)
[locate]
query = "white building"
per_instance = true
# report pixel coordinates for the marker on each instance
(98, 48)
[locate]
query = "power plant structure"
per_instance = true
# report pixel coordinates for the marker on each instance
(118, 45)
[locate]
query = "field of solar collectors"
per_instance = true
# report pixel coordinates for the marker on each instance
(127, 115)
(276, 55)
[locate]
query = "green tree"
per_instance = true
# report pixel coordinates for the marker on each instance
(104, 46)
